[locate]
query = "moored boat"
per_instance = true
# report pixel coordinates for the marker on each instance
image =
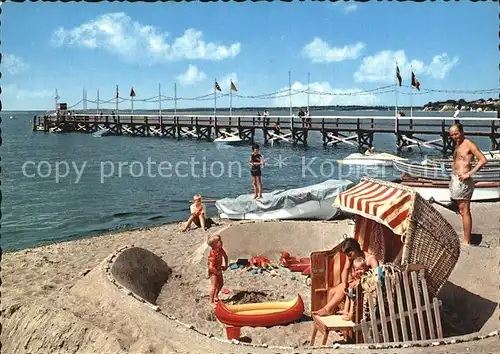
(448, 163)
(442, 173)
(310, 202)
(493, 158)
(228, 138)
(264, 314)
(101, 132)
(380, 159)
(440, 192)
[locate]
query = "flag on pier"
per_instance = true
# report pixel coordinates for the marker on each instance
(414, 81)
(217, 87)
(398, 75)
(132, 92)
(117, 94)
(233, 87)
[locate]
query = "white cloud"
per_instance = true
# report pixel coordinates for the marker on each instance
(14, 64)
(440, 66)
(321, 52)
(351, 8)
(341, 96)
(192, 76)
(381, 67)
(134, 41)
(342, 7)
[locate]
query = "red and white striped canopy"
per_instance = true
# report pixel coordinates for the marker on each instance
(386, 204)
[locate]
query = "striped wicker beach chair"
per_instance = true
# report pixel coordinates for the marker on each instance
(397, 225)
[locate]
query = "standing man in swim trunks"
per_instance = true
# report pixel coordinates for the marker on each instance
(462, 183)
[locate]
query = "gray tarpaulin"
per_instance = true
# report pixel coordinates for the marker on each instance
(282, 199)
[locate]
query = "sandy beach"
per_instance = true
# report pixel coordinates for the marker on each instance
(53, 299)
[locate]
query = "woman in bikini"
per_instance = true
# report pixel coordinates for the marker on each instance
(352, 249)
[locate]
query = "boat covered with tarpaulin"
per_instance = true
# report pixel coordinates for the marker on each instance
(311, 202)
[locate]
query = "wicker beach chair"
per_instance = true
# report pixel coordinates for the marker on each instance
(397, 225)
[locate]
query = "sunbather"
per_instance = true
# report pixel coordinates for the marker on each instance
(352, 250)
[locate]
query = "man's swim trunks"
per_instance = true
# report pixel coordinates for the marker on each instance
(461, 190)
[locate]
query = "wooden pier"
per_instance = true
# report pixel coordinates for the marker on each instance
(353, 130)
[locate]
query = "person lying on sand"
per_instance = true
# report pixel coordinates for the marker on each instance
(352, 249)
(359, 267)
(198, 212)
(215, 267)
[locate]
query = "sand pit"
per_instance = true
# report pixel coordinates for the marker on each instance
(245, 240)
(268, 239)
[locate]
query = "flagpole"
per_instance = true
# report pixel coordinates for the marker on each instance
(175, 99)
(396, 106)
(83, 99)
(411, 93)
(215, 97)
(308, 90)
(396, 111)
(159, 96)
(97, 101)
(132, 104)
(117, 94)
(290, 95)
(57, 99)
(231, 100)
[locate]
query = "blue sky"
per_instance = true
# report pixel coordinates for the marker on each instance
(346, 47)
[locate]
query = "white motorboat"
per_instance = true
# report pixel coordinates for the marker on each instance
(440, 192)
(231, 139)
(380, 159)
(313, 202)
(101, 132)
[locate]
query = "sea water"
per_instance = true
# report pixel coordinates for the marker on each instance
(59, 187)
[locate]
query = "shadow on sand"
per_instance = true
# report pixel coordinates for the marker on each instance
(463, 312)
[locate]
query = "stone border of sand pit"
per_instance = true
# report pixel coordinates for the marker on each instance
(427, 343)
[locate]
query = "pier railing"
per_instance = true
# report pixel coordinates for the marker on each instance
(335, 129)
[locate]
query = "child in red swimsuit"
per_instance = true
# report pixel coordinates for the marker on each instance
(215, 267)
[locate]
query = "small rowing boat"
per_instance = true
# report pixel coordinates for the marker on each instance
(442, 173)
(440, 192)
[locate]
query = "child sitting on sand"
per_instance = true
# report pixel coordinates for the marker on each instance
(215, 267)
(198, 212)
(359, 267)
